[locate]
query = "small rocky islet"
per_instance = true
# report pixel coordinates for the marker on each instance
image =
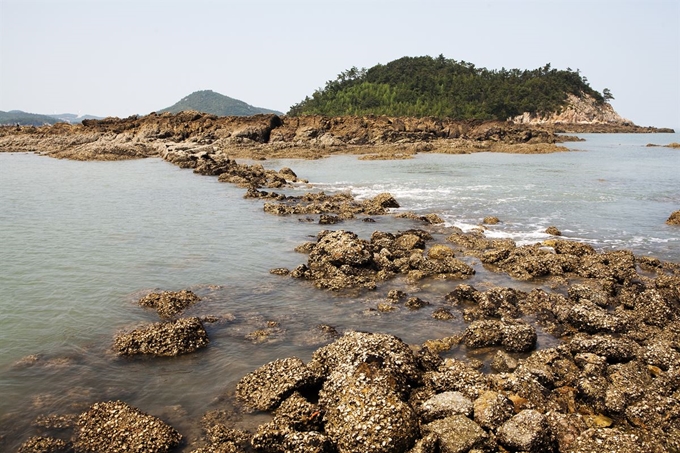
(611, 384)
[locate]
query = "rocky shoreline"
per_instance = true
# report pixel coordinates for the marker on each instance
(269, 136)
(612, 383)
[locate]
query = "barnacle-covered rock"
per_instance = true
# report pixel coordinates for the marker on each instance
(169, 338)
(116, 427)
(368, 417)
(456, 375)
(514, 336)
(41, 444)
(457, 434)
(492, 409)
(265, 388)
(168, 303)
(528, 431)
(444, 405)
(386, 353)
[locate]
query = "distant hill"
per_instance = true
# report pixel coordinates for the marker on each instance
(440, 87)
(14, 117)
(207, 101)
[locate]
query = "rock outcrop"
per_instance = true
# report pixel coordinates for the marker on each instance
(168, 304)
(583, 114)
(191, 133)
(340, 259)
(169, 338)
(674, 218)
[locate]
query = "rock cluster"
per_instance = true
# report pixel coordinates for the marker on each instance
(213, 163)
(169, 338)
(556, 257)
(343, 204)
(340, 259)
(372, 392)
(41, 444)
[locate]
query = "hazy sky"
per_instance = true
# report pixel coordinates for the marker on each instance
(118, 58)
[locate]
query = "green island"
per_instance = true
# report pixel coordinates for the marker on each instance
(446, 88)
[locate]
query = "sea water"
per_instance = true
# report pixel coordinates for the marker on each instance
(81, 242)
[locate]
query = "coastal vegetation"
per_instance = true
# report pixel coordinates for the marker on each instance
(207, 101)
(441, 87)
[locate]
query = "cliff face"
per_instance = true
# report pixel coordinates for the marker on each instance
(579, 110)
(585, 114)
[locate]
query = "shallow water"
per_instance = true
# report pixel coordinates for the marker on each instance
(82, 241)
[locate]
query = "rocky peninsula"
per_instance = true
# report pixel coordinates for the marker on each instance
(272, 136)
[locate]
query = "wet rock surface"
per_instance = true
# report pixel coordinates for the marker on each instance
(169, 304)
(674, 218)
(169, 338)
(611, 384)
(265, 388)
(340, 259)
(41, 444)
(116, 427)
(342, 204)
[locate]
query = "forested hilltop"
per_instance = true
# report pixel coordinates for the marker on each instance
(445, 88)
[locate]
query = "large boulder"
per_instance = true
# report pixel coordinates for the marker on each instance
(369, 417)
(386, 353)
(492, 409)
(340, 259)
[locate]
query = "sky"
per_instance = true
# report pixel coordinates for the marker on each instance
(125, 57)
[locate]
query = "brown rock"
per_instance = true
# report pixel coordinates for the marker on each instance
(168, 303)
(265, 388)
(552, 230)
(116, 427)
(674, 218)
(170, 338)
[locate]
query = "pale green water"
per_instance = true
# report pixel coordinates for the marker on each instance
(80, 241)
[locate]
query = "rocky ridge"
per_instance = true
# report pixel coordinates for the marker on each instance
(262, 136)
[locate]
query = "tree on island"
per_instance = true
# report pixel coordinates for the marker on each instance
(607, 95)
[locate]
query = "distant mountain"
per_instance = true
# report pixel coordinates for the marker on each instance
(14, 117)
(207, 101)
